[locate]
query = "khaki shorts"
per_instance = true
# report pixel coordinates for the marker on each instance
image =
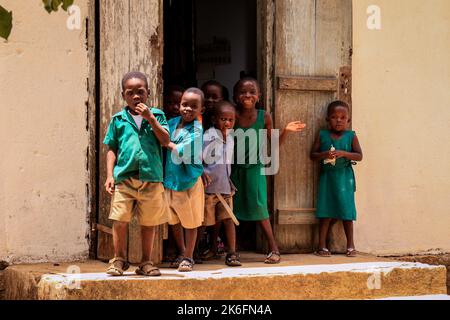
(187, 207)
(146, 199)
(214, 209)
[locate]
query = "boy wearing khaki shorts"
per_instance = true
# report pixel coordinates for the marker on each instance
(184, 186)
(218, 148)
(135, 173)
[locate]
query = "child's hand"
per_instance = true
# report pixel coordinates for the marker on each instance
(145, 112)
(331, 155)
(206, 179)
(339, 154)
(295, 126)
(110, 185)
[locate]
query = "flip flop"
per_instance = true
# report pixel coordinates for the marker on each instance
(324, 253)
(351, 253)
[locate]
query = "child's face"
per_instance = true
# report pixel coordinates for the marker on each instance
(225, 119)
(135, 91)
(247, 94)
(339, 119)
(191, 106)
(172, 104)
(213, 94)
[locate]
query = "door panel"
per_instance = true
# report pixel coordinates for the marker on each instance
(313, 41)
(130, 40)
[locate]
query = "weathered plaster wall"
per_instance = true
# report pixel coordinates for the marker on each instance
(43, 71)
(401, 99)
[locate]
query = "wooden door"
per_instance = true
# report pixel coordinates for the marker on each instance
(130, 40)
(312, 59)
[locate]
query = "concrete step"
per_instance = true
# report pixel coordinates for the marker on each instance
(297, 277)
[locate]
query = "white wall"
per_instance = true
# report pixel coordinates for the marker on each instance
(43, 72)
(401, 113)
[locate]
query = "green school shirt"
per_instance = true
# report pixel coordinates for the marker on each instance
(184, 166)
(139, 152)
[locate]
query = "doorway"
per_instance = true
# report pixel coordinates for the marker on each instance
(211, 40)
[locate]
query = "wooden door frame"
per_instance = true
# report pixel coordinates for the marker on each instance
(93, 187)
(92, 122)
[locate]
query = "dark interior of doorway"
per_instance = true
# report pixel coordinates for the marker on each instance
(211, 39)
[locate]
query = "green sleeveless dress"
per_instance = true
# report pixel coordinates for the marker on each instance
(336, 196)
(250, 199)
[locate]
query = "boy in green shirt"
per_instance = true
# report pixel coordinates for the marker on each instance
(135, 172)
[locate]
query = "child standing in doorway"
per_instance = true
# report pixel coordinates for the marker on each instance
(250, 199)
(336, 148)
(217, 157)
(214, 92)
(135, 172)
(172, 100)
(184, 186)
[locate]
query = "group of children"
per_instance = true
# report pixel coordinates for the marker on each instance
(194, 190)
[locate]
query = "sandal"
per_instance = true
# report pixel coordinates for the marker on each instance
(176, 263)
(147, 269)
(117, 267)
(186, 265)
(351, 253)
(273, 257)
(210, 255)
(233, 259)
(324, 253)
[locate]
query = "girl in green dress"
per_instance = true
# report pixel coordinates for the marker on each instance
(250, 199)
(336, 149)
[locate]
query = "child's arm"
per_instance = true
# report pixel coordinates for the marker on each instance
(161, 134)
(316, 155)
(111, 157)
(295, 126)
(355, 155)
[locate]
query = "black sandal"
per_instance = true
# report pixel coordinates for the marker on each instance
(232, 259)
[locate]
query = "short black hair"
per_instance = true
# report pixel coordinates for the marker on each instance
(240, 82)
(173, 88)
(338, 103)
(220, 105)
(196, 91)
(134, 75)
(225, 93)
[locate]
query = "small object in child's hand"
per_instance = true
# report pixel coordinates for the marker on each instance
(330, 161)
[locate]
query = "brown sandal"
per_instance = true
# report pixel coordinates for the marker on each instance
(186, 265)
(118, 266)
(148, 269)
(273, 257)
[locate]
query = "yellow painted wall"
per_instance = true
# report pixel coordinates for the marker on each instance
(401, 99)
(43, 72)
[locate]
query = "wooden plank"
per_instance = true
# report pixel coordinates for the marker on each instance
(308, 83)
(114, 63)
(313, 40)
(296, 216)
(146, 55)
(294, 55)
(265, 75)
(91, 127)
